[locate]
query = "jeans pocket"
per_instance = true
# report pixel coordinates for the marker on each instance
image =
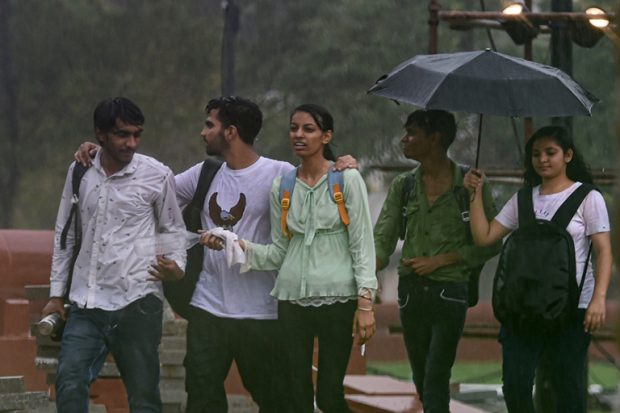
(150, 305)
(403, 295)
(453, 296)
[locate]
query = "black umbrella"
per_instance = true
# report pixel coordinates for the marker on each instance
(485, 82)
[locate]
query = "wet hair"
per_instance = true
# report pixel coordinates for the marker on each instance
(576, 169)
(323, 119)
(434, 120)
(239, 112)
(108, 110)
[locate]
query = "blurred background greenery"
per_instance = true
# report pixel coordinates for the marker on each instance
(60, 57)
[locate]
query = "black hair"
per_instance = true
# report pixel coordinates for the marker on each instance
(434, 120)
(241, 113)
(323, 119)
(108, 110)
(576, 169)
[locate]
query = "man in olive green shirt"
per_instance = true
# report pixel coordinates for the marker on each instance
(437, 256)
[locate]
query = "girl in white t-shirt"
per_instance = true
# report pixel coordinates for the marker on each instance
(553, 170)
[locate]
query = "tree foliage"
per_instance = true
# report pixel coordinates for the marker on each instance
(165, 55)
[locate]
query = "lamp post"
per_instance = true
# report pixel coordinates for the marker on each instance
(562, 50)
(522, 25)
(231, 27)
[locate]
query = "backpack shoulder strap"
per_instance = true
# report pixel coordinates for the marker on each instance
(287, 185)
(406, 196)
(78, 172)
(525, 207)
(209, 168)
(567, 210)
(336, 188)
(462, 198)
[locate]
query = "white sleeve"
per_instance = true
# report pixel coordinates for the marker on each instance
(509, 215)
(186, 183)
(595, 214)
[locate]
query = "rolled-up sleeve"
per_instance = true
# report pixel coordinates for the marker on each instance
(388, 226)
(361, 244)
(169, 216)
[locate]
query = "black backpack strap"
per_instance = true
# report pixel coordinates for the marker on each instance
(78, 172)
(585, 271)
(408, 190)
(462, 199)
(207, 173)
(76, 178)
(567, 210)
(525, 207)
(179, 293)
(191, 213)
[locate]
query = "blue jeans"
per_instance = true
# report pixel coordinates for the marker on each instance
(131, 334)
(212, 345)
(566, 354)
(432, 315)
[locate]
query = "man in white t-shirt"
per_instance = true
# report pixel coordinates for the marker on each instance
(233, 316)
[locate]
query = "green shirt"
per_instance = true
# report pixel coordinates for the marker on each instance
(323, 258)
(431, 230)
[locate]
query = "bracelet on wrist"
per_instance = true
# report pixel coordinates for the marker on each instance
(365, 309)
(365, 298)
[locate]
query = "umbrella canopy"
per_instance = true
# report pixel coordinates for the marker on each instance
(485, 82)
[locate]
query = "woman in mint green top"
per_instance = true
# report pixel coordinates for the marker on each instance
(326, 281)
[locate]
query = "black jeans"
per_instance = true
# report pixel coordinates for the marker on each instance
(332, 324)
(432, 315)
(213, 343)
(566, 353)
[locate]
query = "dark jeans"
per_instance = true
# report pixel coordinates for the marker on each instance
(131, 334)
(332, 324)
(212, 345)
(566, 354)
(432, 315)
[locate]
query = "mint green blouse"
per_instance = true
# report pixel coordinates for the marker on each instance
(323, 258)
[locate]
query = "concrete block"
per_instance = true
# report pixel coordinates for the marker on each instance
(172, 357)
(14, 317)
(171, 371)
(173, 343)
(37, 292)
(22, 401)
(12, 384)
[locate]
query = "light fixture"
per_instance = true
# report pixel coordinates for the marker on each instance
(514, 8)
(520, 30)
(586, 33)
(597, 17)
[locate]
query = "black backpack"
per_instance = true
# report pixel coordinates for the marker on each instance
(535, 289)
(462, 199)
(179, 293)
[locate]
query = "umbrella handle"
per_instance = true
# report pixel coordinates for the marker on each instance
(479, 138)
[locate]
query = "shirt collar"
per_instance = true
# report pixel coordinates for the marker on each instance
(128, 169)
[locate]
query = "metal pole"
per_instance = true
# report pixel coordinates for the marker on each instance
(231, 27)
(562, 50)
(528, 125)
(433, 24)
